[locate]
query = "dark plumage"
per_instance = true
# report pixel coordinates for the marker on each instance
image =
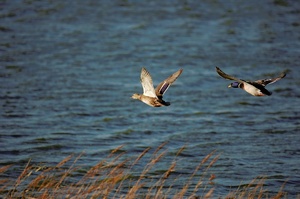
(255, 88)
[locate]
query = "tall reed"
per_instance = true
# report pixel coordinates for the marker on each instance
(117, 176)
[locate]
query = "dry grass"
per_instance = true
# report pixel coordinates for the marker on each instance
(118, 177)
(254, 190)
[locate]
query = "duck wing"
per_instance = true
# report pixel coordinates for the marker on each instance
(164, 85)
(147, 83)
(267, 81)
(226, 76)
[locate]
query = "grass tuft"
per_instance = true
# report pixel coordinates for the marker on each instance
(117, 176)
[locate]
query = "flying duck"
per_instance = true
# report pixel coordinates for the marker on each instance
(255, 88)
(153, 97)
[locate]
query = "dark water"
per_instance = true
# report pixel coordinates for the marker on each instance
(68, 69)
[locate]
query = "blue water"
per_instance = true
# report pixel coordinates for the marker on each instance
(69, 68)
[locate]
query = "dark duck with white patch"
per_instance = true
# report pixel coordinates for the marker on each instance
(255, 88)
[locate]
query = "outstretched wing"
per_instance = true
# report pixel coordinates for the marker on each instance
(265, 82)
(164, 85)
(147, 84)
(226, 76)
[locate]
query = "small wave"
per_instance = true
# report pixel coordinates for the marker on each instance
(50, 147)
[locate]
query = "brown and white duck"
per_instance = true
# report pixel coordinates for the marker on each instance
(153, 97)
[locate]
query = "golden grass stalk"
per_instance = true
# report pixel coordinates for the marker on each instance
(118, 177)
(254, 190)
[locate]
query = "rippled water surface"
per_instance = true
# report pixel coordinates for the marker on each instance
(68, 69)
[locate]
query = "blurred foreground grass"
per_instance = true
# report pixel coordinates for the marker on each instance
(117, 177)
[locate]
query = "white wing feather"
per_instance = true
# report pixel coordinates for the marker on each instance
(147, 83)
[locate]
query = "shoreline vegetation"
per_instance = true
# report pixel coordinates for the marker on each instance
(117, 176)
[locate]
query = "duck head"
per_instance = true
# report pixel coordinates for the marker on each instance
(136, 96)
(234, 85)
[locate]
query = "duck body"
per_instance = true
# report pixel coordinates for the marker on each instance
(154, 97)
(151, 101)
(251, 88)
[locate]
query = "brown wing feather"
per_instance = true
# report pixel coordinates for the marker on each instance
(226, 76)
(164, 85)
(265, 82)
